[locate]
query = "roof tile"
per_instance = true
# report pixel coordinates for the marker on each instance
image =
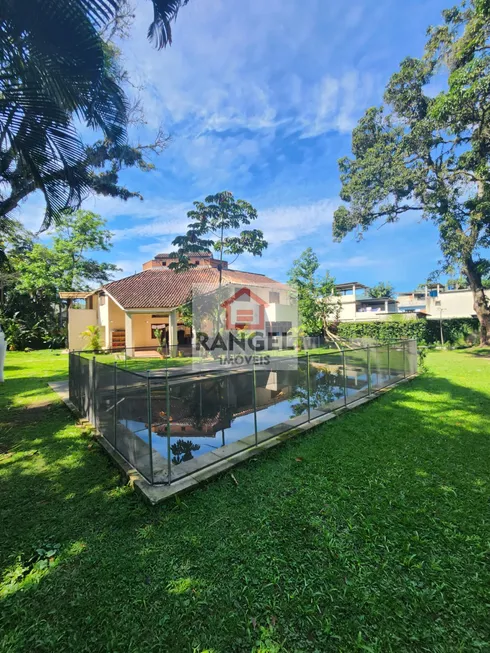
(164, 289)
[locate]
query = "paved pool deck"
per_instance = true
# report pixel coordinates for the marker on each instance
(189, 476)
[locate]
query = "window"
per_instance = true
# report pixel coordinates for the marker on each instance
(197, 262)
(164, 262)
(274, 297)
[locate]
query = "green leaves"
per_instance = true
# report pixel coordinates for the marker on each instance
(39, 272)
(382, 289)
(54, 66)
(212, 220)
(317, 301)
(430, 154)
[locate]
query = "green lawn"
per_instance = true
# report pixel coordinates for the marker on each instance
(142, 364)
(371, 533)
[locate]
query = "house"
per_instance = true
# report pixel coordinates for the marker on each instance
(357, 305)
(130, 310)
(431, 301)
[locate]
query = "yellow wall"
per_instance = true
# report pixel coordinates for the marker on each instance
(78, 320)
(142, 329)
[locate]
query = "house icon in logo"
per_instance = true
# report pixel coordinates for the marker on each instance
(245, 310)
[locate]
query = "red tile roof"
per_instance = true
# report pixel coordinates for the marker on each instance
(163, 288)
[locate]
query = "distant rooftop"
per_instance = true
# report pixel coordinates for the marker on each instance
(349, 284)
(193, 254)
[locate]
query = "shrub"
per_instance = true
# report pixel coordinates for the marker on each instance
(426, 332)
(92, 334)
(42, 334)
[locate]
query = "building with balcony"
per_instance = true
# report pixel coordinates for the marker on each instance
(432, 301)
(358, 306)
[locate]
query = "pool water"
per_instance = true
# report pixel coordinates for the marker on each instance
(209, 413)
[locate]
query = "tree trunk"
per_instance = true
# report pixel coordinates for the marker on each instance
(481, 303)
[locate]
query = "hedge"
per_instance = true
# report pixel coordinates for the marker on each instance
(424, 331)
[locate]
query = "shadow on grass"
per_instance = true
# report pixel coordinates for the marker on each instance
(368, 532)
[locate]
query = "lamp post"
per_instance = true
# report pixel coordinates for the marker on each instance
(3, 349)
(440, 324)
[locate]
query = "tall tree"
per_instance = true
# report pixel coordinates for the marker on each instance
(429, 153)
(37, 272)
(66, 264)
(381, 289)
(214, 225)
(317, 301)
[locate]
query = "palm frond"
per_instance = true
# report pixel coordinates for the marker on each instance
(164, 12)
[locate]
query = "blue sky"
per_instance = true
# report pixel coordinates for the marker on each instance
(260, 98)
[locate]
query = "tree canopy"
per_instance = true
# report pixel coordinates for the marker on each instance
(58, 68)
(318, 304)
(428, 152)
(36, 272)
(381, 289)
(214, 225)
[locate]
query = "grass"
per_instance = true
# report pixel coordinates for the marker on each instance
(142, 364)
(371, 533)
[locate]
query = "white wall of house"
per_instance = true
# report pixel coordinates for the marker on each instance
(452, 303)
(351, 310)
(282, 313)
(264, 292)
(449, 303)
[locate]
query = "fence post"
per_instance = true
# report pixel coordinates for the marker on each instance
(308, 382)
(167, 410)
(93, 413)
(389, 368)
(150, 420)
(115, 404)
(369, 369)
(404, 359)
(254, 383)
(345, 377)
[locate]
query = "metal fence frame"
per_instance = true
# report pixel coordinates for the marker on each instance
(97, 392)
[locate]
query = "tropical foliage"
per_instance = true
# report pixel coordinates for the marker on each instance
(318, 303)
(30, 308)
(93, 338)
(428, 152)
(213, 225)
(428, 332)
(57, 70)
(381, 289)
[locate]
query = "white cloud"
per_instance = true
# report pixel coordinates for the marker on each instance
(354, 262)
(266, 66)
(282, 224)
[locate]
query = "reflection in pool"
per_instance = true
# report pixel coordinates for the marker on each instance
(207, 412)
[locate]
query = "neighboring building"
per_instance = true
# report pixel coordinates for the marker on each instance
(357, 306)
(128, 311)
(203, 260)
(432, 301)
